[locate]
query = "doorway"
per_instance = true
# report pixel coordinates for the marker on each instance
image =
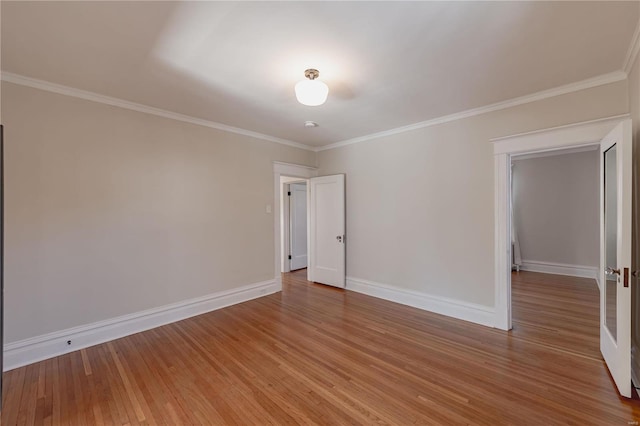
(580, 135)
(556, 249)
(555, 225)
(326, 221)
(605, 133)
(284, 173)
(294, 223)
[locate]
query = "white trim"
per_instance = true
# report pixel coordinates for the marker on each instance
(560, 269)
(585, 148)
(285, 225)
(121, 103)
(571, 136)
(478, 314)
(28, 351)
(562, 90)
(632, 52)
(96, 97)
(503, 245)
(580, 135)
(294, 170)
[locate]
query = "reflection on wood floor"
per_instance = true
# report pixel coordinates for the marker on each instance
(315, 354)
(557, 311)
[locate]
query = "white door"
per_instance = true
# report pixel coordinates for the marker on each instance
(615, 254)
(326, 230)
(298, 225)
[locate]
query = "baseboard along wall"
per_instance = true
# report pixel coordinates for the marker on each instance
(39, 348)
(471, 312)
(28, 351)
(560, 269)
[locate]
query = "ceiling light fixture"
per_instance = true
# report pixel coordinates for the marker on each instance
(311, 92)
(310, 124)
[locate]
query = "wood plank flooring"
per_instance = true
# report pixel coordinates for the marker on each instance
(314, 354)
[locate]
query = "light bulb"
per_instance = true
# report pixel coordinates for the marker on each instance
(311, 92)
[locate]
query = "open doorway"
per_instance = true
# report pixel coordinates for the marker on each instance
(326, 222)
(614, 137)
(284, 173)
(294, 223)
(555, 237)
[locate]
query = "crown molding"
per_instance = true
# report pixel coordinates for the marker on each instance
(108, 100)
(538, 96)
(561, 137)
(632, 52)
(96, 97)
(610, 119)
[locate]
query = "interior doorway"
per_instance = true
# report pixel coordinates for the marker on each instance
(294, 220)
(555, 199)
(613, 137)
(577, 135)
(326, 223)
(284, 173)
(555, 237)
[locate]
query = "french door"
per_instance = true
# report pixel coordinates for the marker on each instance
(615, 253)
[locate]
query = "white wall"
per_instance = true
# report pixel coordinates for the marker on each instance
(111, 211)
(420, 204)
(556, 204)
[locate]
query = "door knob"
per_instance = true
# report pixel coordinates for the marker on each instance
(339, 238)
(612, 271)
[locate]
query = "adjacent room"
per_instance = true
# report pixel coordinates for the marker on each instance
(319, 212)
(555, 229)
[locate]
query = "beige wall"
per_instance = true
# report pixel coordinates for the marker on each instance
(420, 204)
(110, 211)
(555, 206)
(634, 109)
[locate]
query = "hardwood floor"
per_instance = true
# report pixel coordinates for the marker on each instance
(316, 354)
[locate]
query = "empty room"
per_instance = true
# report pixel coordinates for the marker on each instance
(219, 213)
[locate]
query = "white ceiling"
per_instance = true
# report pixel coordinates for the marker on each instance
(387, 64)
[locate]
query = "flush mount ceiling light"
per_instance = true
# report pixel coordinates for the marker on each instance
(311, 92)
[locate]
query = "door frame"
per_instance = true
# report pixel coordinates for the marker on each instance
(289, 170)
(575, 135)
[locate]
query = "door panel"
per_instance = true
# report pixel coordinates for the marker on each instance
(298, 223)
(327, 229)
(615, 254)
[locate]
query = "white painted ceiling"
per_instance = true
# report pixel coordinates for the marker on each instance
(387, 64)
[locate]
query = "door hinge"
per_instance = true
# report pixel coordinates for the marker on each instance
(289, 193)
(289, 257)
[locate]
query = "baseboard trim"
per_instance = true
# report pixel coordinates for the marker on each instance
(478, 314)
(560, 269)
(39, 348)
